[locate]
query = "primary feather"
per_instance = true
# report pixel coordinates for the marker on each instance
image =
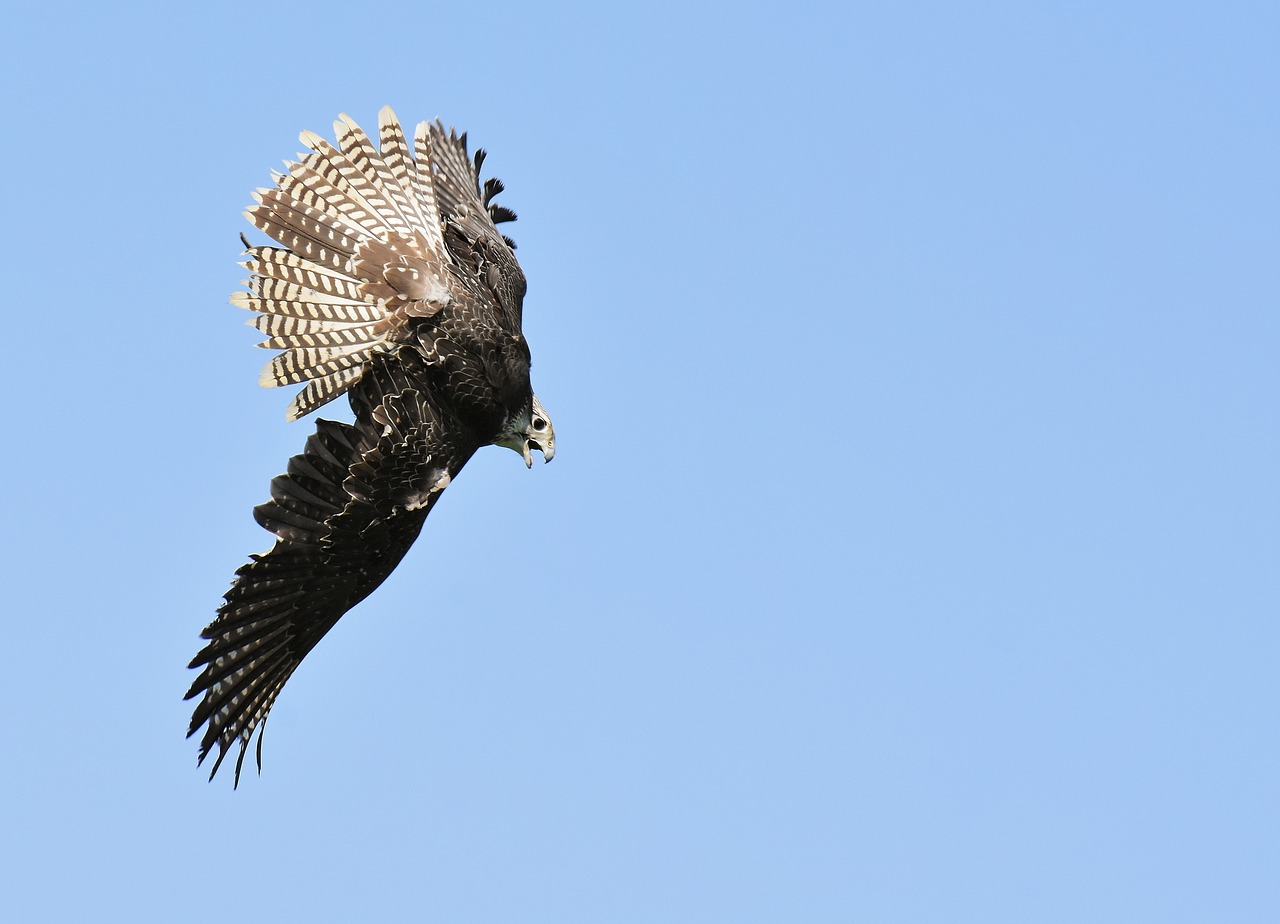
(393, 286)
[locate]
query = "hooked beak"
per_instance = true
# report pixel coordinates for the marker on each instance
(548, 452)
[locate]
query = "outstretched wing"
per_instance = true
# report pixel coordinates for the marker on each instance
(344, 515)
(471, 217)
(363, 253)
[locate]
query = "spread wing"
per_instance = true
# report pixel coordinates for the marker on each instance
(344, 515)
(471, 218)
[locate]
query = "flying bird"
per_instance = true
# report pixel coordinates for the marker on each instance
(393, 286)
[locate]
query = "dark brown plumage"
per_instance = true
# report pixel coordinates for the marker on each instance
(393, 286)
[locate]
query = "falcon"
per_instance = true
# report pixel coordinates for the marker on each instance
(393, 286)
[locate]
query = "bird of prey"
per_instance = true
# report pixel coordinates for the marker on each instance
(392, 285)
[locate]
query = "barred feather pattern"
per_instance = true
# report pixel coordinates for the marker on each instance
(363, 252)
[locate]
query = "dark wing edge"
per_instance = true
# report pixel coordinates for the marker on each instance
(345, 513)
(470, 218)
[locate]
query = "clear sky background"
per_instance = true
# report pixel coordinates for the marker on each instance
(910, 550)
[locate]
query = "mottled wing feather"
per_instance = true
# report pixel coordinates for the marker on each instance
(344, 514)
(470, 233)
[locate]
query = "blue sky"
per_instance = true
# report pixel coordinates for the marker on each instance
(910, 549)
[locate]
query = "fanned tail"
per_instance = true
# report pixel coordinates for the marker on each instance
(363, 253)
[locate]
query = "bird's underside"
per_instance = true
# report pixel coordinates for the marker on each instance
(393, 286)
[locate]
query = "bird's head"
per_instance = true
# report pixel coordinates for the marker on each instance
(531, 430)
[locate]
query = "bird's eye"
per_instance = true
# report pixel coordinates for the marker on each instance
(539, 423)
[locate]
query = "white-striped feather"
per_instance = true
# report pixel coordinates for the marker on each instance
(336, 166)
(395, 154)
(319, 190)
(270, 287)
(332, 167)
(314, 310)
(277, 325)
(333, 337)
(321, 391)
(303, 244)
(298, 365)
(355, 144)
(324, 227)
(284, 265)
(363, 252)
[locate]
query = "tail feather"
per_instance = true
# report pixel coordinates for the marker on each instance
(331, 192)
(363, 252)
(335, 168)
(361, 153)
(283, 325)
(276, 263)
(350, 168)
(323, 238)
(337, 336)
(284, 298)
(321, 391)
(303, 363)
(399, 159)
